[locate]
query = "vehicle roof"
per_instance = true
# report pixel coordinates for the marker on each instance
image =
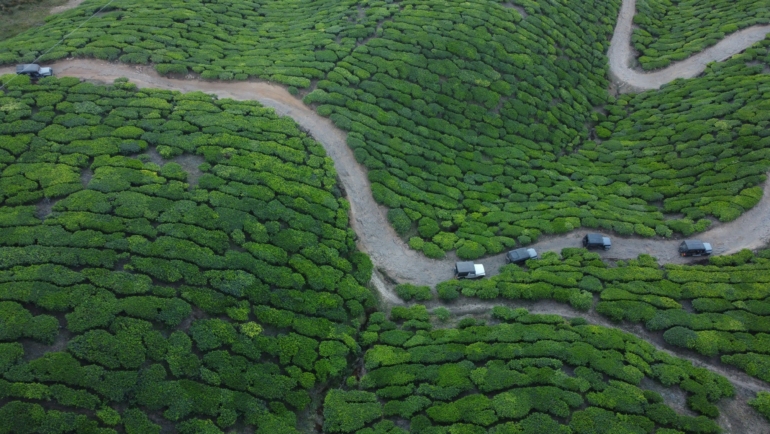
(465, 267)
(693, 244)
(29, 67)
(595, 238)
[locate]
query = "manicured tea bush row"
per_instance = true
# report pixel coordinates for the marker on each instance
(475, 131)
(210, 306)
(671, 30)
(529, 374)
(461, 122)
(720, 309)
(701, 146)
(290, 42)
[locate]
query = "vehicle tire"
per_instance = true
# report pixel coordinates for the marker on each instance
(606, 248)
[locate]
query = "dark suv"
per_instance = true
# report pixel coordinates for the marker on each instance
(520, 255)
(694, 248)
(597, 241)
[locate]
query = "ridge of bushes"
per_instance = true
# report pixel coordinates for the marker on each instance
(131, 299)
(717, 310)
(521, 373)
(672, 30)
(289, 42)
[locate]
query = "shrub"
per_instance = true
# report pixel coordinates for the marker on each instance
(471, 250)
(681, 337)
(407, 292)
(762, 403)
(582, 300)
(346, 412)
(400, 221)
(448, 290)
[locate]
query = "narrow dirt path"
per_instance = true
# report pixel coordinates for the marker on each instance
(71, 4)
(391, 255)
(622, 58)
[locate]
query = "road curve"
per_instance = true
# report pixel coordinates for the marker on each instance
(621, 54)
(390, 254)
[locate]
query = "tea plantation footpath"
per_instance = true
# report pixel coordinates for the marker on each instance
(376, 236)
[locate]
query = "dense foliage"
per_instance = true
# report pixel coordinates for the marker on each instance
(460, 122)
(481, 129)
(211, 305)
(529, 374)
(701, 146)
(721, 309)
(291, 42)
(671, 30)
(762, 403)
(475, 130)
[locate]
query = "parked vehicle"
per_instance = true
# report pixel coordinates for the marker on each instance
(33, 70)
(469, 270)
(597, 241)
(520, 255)
(694, 248)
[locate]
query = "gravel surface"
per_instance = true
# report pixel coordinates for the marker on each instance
(623, 58)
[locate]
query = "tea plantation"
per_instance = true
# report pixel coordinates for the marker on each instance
(142, 300)
(481, 129)
(288, 42)
(672, 30)
(477, 146)
(175, 262)
(721, 309)
(521, 374)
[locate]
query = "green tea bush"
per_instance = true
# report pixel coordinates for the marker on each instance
(218, 305)
(408, 292)
(233, 41)
(729, 298)
(526, 374)
(762, 403)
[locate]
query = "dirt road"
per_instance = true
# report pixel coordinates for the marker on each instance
(375, 235)
(622, 56)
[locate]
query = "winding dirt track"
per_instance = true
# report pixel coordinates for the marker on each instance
(622, 55)
(395, 261)
(389, 253)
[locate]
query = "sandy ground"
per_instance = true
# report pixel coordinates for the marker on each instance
(622, 56)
